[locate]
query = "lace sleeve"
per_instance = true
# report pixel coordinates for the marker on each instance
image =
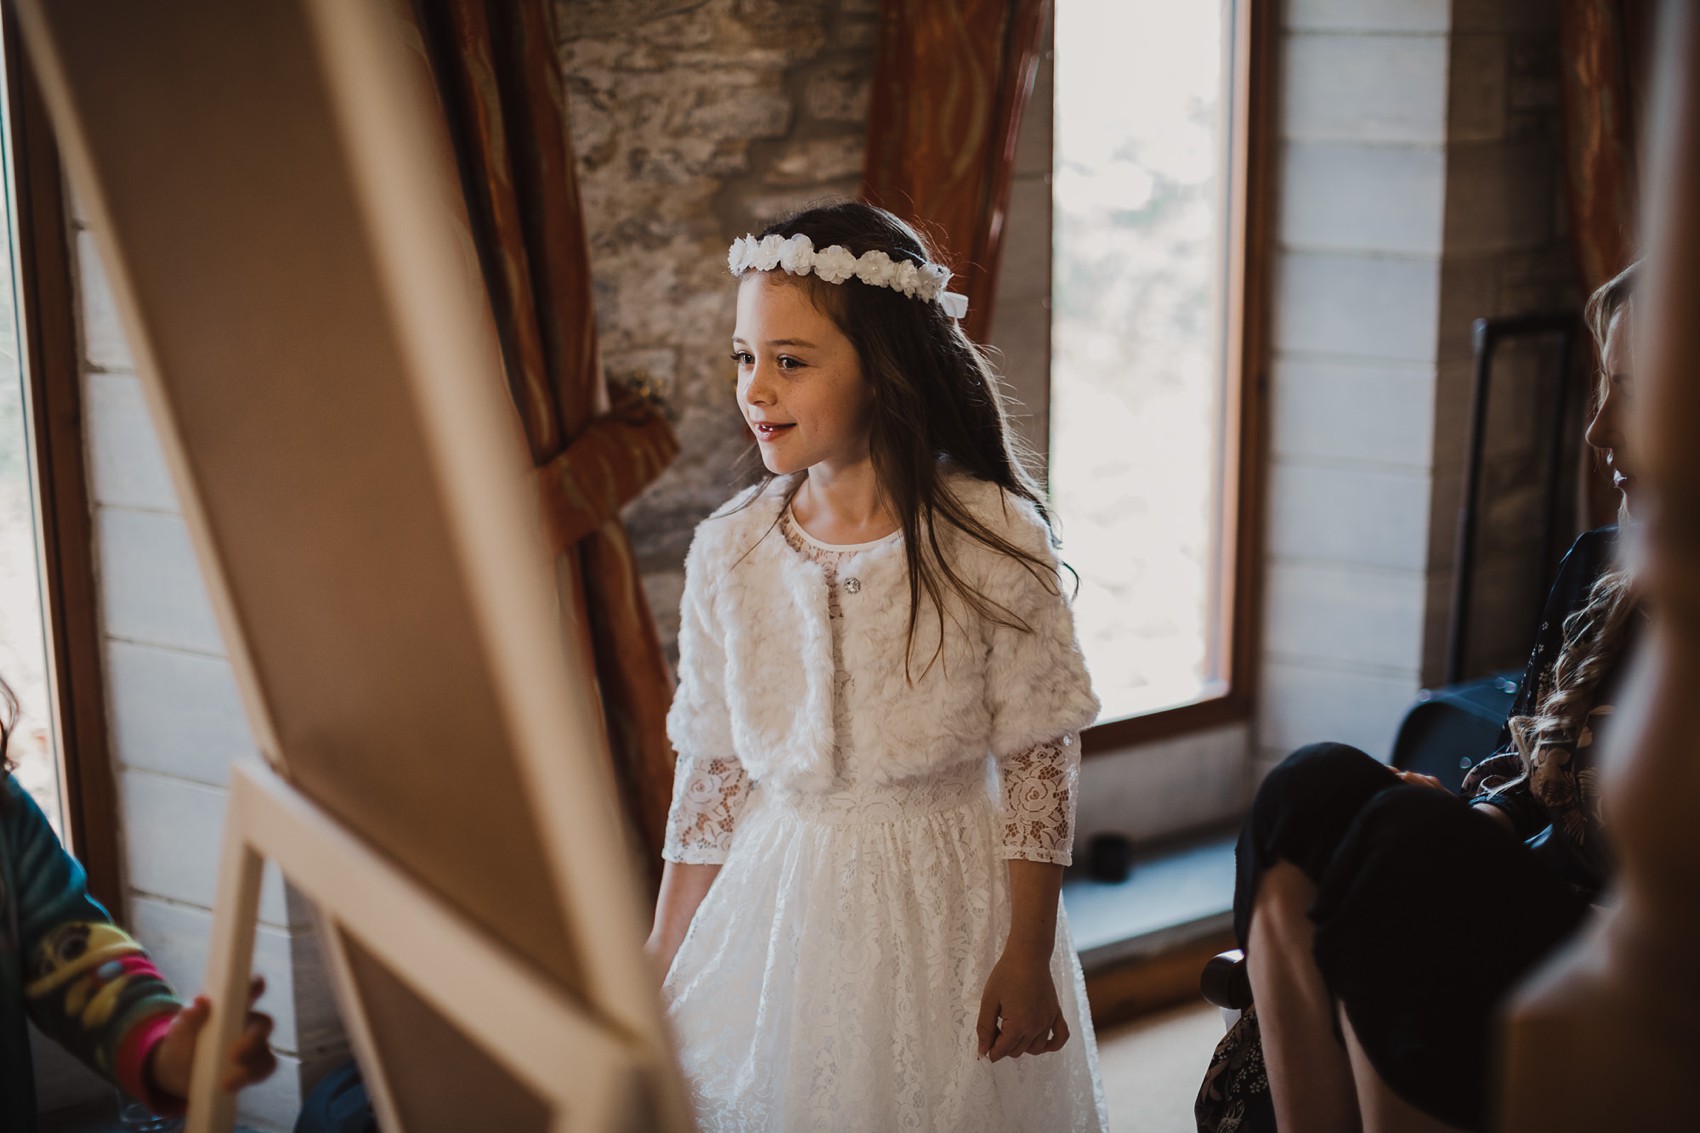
(1039, 789)
(707, 796)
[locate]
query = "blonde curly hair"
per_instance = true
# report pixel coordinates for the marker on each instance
(1594, 636)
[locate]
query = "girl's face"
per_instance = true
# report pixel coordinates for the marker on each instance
(1606, 432)
(800, 384)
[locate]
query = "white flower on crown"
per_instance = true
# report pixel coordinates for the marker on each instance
(834, 264)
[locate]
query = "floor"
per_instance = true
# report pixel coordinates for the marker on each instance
(1153, 1065)
(1151, 1069)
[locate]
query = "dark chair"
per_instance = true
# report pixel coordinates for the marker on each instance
(1225, 982)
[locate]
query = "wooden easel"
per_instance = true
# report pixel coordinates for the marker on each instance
(272, 197)
(535, 1030)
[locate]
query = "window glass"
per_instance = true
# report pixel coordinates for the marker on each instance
(23, 642)
(1137, 371)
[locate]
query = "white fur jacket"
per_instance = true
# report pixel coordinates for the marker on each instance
(755, 650)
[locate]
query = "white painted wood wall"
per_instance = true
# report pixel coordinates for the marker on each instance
(176, 721)
(1410, 204)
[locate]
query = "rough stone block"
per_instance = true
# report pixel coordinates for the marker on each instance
(816, 161)
(853, 33)
(802, 26)
(838, 92)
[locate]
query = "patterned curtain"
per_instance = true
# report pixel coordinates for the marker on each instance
(950, 85)
(499, 78)
(1602, 58)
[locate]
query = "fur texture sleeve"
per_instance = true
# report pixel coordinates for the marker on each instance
(699, 722)
(1037, 687)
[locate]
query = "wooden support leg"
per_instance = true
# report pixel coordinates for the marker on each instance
(230, 959)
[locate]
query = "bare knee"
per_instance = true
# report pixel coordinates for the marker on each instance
(1282, 904)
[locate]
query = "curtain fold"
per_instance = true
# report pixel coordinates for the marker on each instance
(951, 82)
(498, 75)
(1602, 58)
(1598, 59)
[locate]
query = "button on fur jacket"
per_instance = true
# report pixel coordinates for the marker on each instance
(755, 649)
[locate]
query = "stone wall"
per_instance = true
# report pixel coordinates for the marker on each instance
(696, 122)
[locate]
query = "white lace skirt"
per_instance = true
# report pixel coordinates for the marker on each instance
(831, 979)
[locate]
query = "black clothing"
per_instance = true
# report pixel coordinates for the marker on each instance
(1426, 913)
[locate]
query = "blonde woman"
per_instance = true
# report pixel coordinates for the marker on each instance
(1384, 918)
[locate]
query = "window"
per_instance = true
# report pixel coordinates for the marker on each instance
(1149, 426)
(23, 628)
(51, 647)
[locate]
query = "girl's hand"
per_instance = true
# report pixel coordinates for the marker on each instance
(249, 1060)
(1019, 1012)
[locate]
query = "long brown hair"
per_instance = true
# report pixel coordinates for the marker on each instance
(936, 399)
(1594, 636)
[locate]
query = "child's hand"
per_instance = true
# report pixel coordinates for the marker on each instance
(1019, 1012)
(249, 1059)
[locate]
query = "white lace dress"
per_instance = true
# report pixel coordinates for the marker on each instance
(831, 979)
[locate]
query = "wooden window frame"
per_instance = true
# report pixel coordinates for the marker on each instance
(1256, 44)
(51, 353)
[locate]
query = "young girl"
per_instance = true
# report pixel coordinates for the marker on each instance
(83, 981)
(879, 699)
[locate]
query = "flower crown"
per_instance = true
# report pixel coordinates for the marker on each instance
(835, 264)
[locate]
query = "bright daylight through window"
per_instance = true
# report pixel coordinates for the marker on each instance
(1137, 370)
(23, 649)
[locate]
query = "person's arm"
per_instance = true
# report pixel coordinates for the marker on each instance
(1019, 1010)
(1039, 697)
(710, 785)
(683, 886)
(708, 795)
(94, 990)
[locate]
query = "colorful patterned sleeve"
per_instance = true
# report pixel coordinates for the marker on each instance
(87, 984)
